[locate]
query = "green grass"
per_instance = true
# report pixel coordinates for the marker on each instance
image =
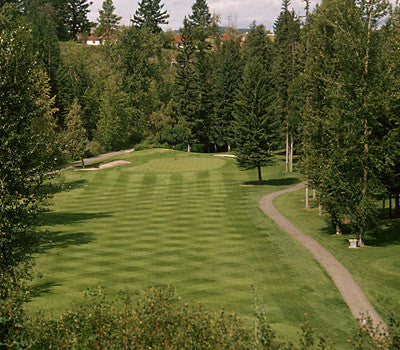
(188, 222)
(375, 267)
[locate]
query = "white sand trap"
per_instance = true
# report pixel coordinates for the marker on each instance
(225, 155)
(106, 166)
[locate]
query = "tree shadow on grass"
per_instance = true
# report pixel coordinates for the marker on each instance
(275, 182)
(53, 239)
(52, 218)
(39, 289)
(53, 188)
(57, 239)
(388, 233)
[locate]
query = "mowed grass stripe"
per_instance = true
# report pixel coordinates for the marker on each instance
(128, 228)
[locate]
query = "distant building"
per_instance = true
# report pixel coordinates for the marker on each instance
(93, 40)
(96, 40)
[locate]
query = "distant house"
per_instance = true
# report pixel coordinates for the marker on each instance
(93, 40)
(96, 40)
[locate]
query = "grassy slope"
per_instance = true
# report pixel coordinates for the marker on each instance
(188, 223)
(375, 267)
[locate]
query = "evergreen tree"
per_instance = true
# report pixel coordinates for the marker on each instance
(150, 15)
(138, 54)
(196, 55)
(71, 18)
(108, 21)
(186, 98)
(75, 140)
(255, 126)
(285, 72)
(228, 73)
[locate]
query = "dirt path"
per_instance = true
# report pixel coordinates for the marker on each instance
(348, 287)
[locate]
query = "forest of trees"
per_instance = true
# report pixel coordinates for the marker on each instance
(324, 87)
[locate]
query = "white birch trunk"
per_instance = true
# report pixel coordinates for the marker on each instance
(307, 195)
(291, 153)
(287, 148)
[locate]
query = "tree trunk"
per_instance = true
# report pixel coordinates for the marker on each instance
(229, 148)
(189, 148)
(287, 148)
(338, 229)
(259, 175)
(383, 206)
(307, 194)
(83, 163)
(314, 195)
(320, 210)
(390, 206)
(397, 204)
(215, 148)
(291, 154)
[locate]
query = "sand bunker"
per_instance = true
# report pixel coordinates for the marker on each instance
(106, 166)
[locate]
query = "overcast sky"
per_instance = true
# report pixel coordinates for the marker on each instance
(240, 13)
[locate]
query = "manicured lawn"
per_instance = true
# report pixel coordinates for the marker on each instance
(193, 222)
(376, 267)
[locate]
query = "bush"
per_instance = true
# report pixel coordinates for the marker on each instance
(158, 319)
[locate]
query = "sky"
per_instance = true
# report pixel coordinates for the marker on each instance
(239, 13)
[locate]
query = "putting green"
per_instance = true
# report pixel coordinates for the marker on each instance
(189, 223)
(180, 163)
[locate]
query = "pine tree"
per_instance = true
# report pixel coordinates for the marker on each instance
(285, 72)
(199, 27)
(108, 20)
(228, 74)
(75, 140)
(255, 126)
(186, 98)
(75, 17)
(150, 14)
(138, 54)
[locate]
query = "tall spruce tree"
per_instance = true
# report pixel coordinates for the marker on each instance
(186, 98)
(255, 126)
(285, 72)
(150, 15)
(138, 54)
(77, 21)
(228, 74)
(108, 20)
(199, 27)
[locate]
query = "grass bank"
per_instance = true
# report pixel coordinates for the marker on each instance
(375, 267)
